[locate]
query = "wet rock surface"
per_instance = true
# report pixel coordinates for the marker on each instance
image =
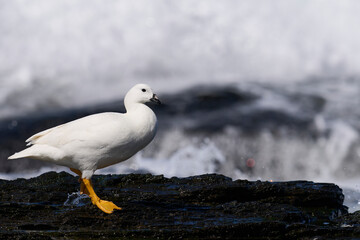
(200, 207)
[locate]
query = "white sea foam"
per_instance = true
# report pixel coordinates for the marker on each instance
(77, 199)
(187, 161)
(66, 53)
(31, 174)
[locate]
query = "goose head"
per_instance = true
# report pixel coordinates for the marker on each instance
(140, 94)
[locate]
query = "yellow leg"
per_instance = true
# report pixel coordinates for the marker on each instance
(105, 206)
(83, 190)
(87, 188)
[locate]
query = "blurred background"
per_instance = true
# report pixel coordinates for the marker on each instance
(264, 89)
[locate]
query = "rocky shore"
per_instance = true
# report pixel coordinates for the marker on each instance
(200, 207)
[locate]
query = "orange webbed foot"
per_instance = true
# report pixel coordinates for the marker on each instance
(87, 188)
(107, 206)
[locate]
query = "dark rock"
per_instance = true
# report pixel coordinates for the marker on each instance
(202, 207)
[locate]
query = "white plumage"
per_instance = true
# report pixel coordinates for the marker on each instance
(98, 140)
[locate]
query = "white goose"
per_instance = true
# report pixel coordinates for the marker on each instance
(97, 141)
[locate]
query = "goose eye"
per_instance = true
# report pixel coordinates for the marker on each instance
(144, 90)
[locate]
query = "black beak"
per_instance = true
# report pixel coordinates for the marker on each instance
(155, 99)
